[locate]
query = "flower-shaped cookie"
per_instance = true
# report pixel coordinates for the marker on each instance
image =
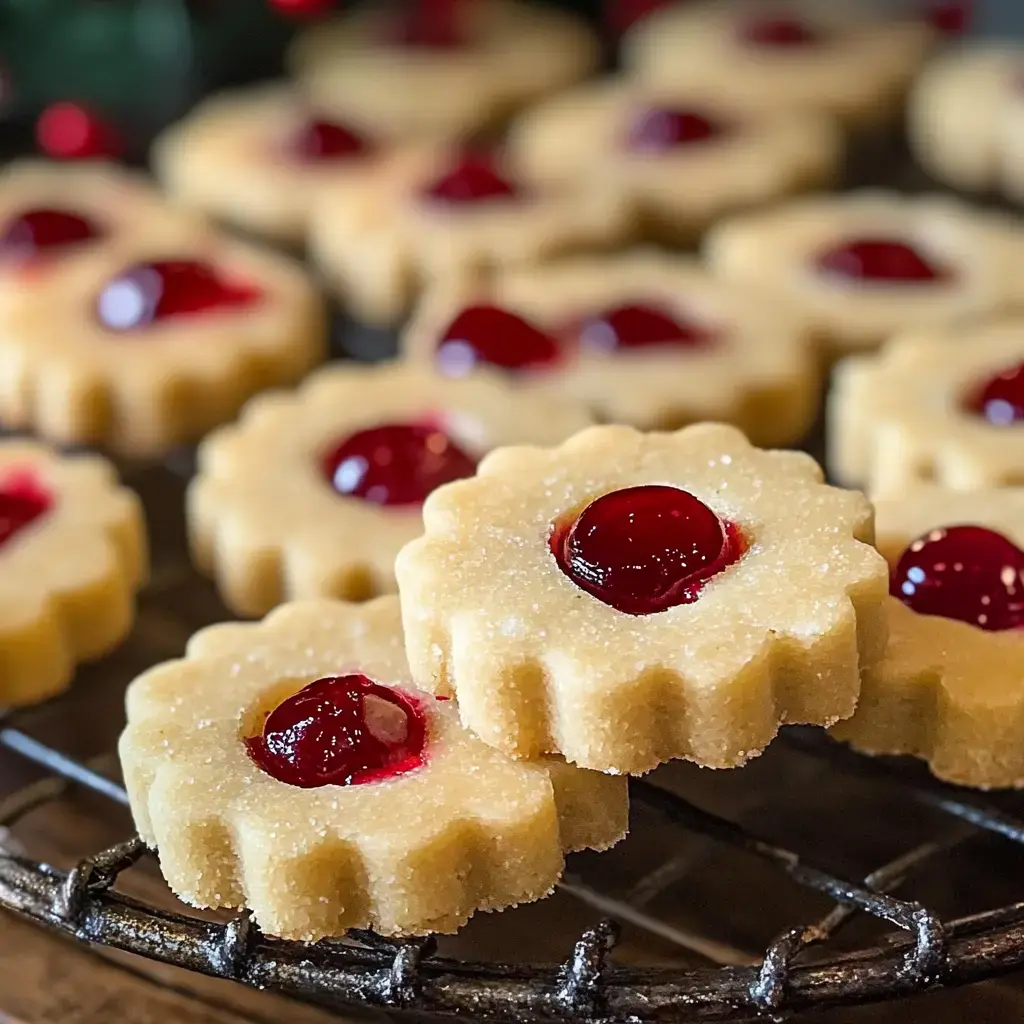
(53, 215)
(441, 67)
(679, 161)
(291, 767)
(438, 212)
(642, 338)
(312, 493)
(966, 118)
(950, 688)
(628, 598)
(73, 550)
(836, 57)
(946, 406)
(254, 157)
(145, 349)
(865, 265)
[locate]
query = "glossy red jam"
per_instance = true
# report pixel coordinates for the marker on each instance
(1000, 399)
(637, 327)
(23, 500)
(644, 549)
(318, 141)
(622, 15)
(429, 24)
(341, 731)
(950, 17)
(150, 292)
(474, 180)
(880, 260)
(661, 130)
(778, 32)
(40, 231)
(490, 336)
(968, 573)
(396, 464)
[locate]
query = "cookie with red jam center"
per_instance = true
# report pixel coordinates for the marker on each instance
(291, 767)
(313, 493)
(73, 551)
(624, 599)
(949, 689)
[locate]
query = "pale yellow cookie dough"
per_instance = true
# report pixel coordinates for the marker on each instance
(980, 253)
(70, 575)
(897, 418)
(677, 192)
(859, 69)
(268, 525)
(759, 371)
(539, 665)
(142, 392)
(516, 53)
(419, 852)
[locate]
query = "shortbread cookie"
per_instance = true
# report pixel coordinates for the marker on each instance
(950, 688)
(680, 161)
(643, 338)
(865, 265)
(73, 547)
(966, 118)
(441, 68)
(291, 767)
(145, 350)
(945, 405)
(837, 57)
(52, 215)
(441, 212)
(312, 493)
(628, 598)
(254, 157)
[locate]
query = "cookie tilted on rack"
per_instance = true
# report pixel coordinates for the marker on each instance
(950, 688)
(292, 767)
(73, 549)
(680, 160)
(837, 57)
(443, 211)
(945, 405)
(312, 493)
(628, 598)
(255, 157)
(640, 338)
(147, 347)
(864, 265)
(441, 68)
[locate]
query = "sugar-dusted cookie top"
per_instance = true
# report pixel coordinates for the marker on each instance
(292, 767)
(628, 598)
(312, 493)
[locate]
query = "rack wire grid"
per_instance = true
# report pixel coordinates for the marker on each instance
(812, 852)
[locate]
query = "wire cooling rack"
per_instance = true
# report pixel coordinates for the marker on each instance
(914, 943)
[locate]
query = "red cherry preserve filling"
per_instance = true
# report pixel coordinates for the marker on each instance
(429, 24)
(644, 549)
(488, 335)
(778, 31)
(660, 130)
(396, 464)
(23, 500)
(474, 180)
(1000, 399)
(968, 573)
(341, 731)
(637, 327)
(149, 292)
(39, 231)
(880, 261)
(320, 141)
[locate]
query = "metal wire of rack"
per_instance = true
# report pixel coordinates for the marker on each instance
(924, 951)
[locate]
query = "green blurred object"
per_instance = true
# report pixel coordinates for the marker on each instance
(141, 63)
